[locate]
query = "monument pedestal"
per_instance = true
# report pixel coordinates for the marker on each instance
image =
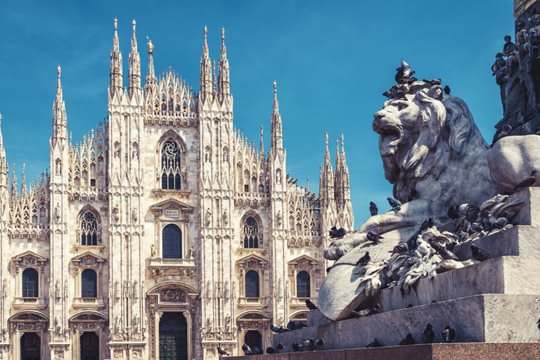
(461, 351)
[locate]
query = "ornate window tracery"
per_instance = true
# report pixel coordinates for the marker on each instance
(250, 233)
(170, 166)
(89, 229)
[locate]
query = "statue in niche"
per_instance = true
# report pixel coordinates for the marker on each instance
(225, 217)
(57, 213)
(152, 250)
(57, 290)
(208, 216)
(58, 167)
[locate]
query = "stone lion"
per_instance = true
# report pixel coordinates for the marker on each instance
(435, 156)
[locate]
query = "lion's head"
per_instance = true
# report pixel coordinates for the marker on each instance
(420, 132)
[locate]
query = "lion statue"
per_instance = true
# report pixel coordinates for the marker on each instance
(435, 156)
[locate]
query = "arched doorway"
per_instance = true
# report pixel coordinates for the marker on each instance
(89, 342)
(253, 339)
(173, 343)
(30, 346)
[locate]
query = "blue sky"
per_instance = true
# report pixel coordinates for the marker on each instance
(332, 61)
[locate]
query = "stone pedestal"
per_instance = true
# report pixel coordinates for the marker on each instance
(463, 351)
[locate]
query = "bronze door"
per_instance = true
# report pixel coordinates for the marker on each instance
(30, 346)
(173, 337)
(89, 346)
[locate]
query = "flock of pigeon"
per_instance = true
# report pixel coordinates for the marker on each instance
(428, 336)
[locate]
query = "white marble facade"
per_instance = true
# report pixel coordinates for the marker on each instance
(152, 233)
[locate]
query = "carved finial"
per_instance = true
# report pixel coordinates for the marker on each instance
(275, 88)
(59, 71)
(133, 25)
(326, 139)
(222, 34)
(115, 24)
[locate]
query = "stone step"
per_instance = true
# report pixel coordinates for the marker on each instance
(521, 240)
(491, 318)
(530, 212)
(502, 275)
(456, 351)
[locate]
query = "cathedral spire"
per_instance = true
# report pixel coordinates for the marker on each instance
(206, 69)
(116, 63)
(261, 141)
(23, 180)
(3, 160)
(134, 77)
(224, 77)
(151, 75)
(277, 130)
(326, 184)
(14, 187)
(59, 112)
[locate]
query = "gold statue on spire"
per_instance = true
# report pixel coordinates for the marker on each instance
(150, 45)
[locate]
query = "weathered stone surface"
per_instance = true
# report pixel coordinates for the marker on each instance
(455, 351)
(316, 318)
(502, 275)
(480, 318)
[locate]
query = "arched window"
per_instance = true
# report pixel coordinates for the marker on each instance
(253, 339)
(172, 242)
(30, 288)
(250, 233)
(89, 228)
(170, 166)
(303, 285)
(88, 284)
(252, 284)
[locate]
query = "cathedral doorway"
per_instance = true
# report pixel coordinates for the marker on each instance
(89, 342)
(173, 344)
(30, 346)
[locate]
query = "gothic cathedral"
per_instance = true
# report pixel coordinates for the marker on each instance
(164, 233)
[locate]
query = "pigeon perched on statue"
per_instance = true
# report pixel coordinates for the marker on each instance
(373, 209)
(373, 237)
(428, 335)
(336, 233)
(364, 260)
(374, 344)
(396, 205)
(408, 340)
(310, 305)
(247, 349)
(448, 334)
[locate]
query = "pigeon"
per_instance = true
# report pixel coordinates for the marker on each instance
(409, 340)
(270, 350)
(447, 90)
(443, 251)
(221, 351)
(328, 269)
(529, 181)
(280, 347)
(257, 351)
(336, 233)
(400, 248)
(374, 344)
(373, 209)
(478, 253)
(396, 205)
(310, 305)
(453, 212)
(319, 344)
(278, 330)
(477, 227)
(374, 237)
(247, 350)
(428, 335)
(295, 325)
(297, 346)
(364, 260)
(404, 73)
(500, 222)
(448, 334)
(309, 344)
